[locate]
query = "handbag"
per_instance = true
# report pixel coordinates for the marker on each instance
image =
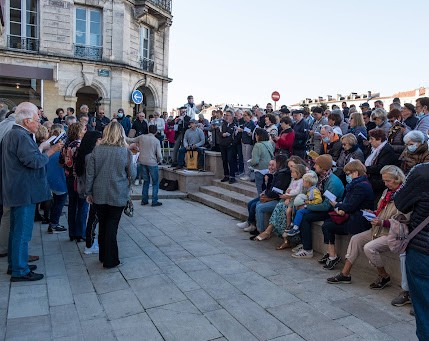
(192, 159)
(129, 207)
(169, 185)
(263, 198)
(398, 237)
(338, 219)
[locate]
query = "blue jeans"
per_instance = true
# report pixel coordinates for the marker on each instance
(251, 207)
(305, 227)
(417, 264)
(139, 171)
(77, 213)
(261, 209)
(182, 153)
(298, 216)
(56, 208)
(21, 229)
(150, 172)
(259, 181)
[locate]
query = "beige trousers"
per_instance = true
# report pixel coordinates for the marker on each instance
(372, 248)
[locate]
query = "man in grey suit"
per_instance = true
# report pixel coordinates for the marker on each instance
(22, 166)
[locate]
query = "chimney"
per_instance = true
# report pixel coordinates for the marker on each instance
(339, 97)
(330, 98)
(369, 94)
(353, 95)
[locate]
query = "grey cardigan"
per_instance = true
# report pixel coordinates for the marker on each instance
(107, 176)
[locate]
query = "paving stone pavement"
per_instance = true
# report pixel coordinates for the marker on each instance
(189, 273)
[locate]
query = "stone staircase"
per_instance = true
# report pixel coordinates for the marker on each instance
(230, 199)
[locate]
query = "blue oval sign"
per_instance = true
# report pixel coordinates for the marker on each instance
(137, 97)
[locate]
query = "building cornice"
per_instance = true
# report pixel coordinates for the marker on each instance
(39, 57)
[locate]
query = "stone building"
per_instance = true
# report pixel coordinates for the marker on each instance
(63, 53)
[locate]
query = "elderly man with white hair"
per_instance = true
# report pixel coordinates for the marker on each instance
(415, 152)
(22, 166)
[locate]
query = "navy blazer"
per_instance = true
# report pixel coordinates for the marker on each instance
(358, 196)
(22, 170)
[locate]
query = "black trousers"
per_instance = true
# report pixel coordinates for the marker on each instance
(229, 160)
(330, 229)
(91, 224)
(108, 217)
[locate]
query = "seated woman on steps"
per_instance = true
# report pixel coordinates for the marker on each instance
(374, 241)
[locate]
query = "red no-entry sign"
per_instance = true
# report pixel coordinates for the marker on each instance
(275, 96)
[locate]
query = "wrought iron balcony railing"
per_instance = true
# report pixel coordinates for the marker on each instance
(22, 43)
(88, 52)
(147, 64)
(164, 4)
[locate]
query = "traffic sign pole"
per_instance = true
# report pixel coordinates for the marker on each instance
(275, 96)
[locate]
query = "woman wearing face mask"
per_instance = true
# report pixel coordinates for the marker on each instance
(358, 196)
(415, 152)
(350, 151)
(397, 131)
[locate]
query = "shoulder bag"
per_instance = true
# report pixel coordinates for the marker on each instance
(129, 207)
(398, 237)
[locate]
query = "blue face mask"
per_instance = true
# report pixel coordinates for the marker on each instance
(412, 148)
(420, 114)
(120, 115)
(326, 139)
(349, 178)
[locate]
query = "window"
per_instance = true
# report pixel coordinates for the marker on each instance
(145, 61)
(23, 22)
(88, 33)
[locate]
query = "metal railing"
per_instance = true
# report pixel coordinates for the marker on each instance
(147, 64)
(88, 52)
(164, 4)
(22, 43)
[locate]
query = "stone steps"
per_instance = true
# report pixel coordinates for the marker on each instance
(243, 187)
(221, 205)
(227, 195)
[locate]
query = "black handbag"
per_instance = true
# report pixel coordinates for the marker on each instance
(169, 185)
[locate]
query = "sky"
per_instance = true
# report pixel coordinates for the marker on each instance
(240, 51)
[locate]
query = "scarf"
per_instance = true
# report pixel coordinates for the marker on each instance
(385, 201)
(371, 158)
(322, 180)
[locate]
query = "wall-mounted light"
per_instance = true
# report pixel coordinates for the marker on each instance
(17, 85)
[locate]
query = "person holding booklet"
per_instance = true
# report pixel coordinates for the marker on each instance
(374, 241)
(347, 217)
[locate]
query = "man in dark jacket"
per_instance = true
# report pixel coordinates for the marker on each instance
(228, 146)
(22, 166)
(414, 197)
(301, 133)
(140, 125)
(331, 143)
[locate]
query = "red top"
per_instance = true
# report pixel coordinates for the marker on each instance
(285, 140)
(169, 133)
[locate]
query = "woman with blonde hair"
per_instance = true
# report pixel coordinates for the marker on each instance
(108, 177)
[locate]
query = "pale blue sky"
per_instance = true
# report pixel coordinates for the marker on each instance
(239, 51)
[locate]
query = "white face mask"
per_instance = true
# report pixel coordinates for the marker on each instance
(412, 148)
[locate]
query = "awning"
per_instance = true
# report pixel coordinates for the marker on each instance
(19, 71)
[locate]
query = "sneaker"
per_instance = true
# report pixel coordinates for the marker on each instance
(288, 228)
(155, 204)
(225, 179)
(93, 249)
(143, 203)
(380, 283)
(249, 228)
(340, 279)
(293, 232)
(56, 229)
(324, 258)
(243, 225)
(303, 254)
(31, 276)
(136, 183)
(245, 178)
(402, 299)
(297, 248)
(331, 263)
(232, 181)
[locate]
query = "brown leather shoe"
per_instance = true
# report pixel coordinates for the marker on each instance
(33, 258)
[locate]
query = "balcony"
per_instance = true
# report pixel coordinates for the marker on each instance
(164, 4)
(23, 43)
(88, 52)
(147, 64)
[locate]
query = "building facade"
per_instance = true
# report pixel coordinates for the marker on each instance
(65, 53)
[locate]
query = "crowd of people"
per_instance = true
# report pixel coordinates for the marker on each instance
(354, 169)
